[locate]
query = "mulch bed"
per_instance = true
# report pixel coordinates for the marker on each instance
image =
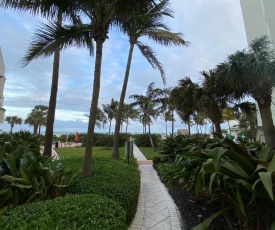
(193, 210)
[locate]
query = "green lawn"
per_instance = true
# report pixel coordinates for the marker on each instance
(102, 152)
(149, 153)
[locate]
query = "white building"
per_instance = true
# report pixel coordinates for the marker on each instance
(259, 19)
(2, 83)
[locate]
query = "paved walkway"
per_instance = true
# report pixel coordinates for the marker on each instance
(156, 209)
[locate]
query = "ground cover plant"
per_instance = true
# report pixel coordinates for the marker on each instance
(87, 211)
(239, 177)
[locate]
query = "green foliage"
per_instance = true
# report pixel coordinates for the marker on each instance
(25, 175)
(87, 211)
(143, 140)
(110, 178)
(241, 177)
(172, 146)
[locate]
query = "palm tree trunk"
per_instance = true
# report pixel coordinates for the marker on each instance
(172, 123)
(127, 125)
(35, 127)
(11, 128)
(253, 130)
(39, 129)
(151, 140)
(218, 128)
(110, 127)
(189, 125)
(268, 126)
(52, 103)
(87, 164)
(229, 128)
(115, 152)
(166, 127)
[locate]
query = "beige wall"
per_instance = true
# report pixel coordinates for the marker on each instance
(259, 19)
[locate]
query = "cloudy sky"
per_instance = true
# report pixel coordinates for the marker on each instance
(214, 28)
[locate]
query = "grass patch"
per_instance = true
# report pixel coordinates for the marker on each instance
(149, 153)
(101, 152)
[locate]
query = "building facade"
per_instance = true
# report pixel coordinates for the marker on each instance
(2, 84)
(259, 19)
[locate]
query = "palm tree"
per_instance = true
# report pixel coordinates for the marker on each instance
(210, 101)
(37, 117)
(56, 11)
(228, 115)
(251, 73)
(183, 97)
(200, 120)
(148, 106)
(147, 23)
(168, 116)
(13, 120)
(248, 111)
(100, 118)
(110, 110)
(129, 112)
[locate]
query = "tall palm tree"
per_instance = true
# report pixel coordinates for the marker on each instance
(37, 117)
(147, 23)
(200, 120)
(210, 101)
(13, 120)
(251, 72)
(183, 98)
(100, 118)
(228, 115)
(248, 111)
(168, 116)
(169, 108)
(129, 112)
(111, 111)
(56, 11)
(150, 105)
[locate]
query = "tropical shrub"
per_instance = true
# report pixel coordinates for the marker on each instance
(70, 212)
(25, 175)
(110, 178)
(241, 177)
(173, 145)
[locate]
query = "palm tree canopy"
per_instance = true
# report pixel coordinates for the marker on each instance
(148, 23)
(249, 72)
(110, 109)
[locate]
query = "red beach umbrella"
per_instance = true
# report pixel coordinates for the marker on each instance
(76, 137)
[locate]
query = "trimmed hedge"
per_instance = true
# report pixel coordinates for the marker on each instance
(102, 139)
(88, 211)
(110, 178)
(143, 140)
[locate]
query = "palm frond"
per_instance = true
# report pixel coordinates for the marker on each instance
(50, 37)
(166, 38)
(149, 54)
